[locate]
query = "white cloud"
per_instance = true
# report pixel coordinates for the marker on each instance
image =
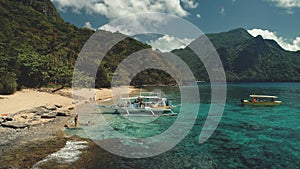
(156, 23)
(88, 25)
(286, 3)
(168, 43)
(113, 9)
(143, 23)
(76, 5)
(190, 4)
(266, 34)
(121, 13)
(198, 16)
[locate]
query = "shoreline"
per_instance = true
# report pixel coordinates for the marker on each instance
(33, 137)
(39, 140)
(31, 98)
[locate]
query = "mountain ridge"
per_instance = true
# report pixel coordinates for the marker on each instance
(246, 58)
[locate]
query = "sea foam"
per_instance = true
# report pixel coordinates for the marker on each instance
(69, 154)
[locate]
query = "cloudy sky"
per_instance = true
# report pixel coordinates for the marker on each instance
(273, 19)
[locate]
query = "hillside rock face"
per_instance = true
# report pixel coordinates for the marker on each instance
(44, 6)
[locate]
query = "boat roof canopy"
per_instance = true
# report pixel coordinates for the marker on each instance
(263, 96)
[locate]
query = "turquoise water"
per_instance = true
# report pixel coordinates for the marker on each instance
(246, 137)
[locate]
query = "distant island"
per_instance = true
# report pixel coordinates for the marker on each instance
(38, 48)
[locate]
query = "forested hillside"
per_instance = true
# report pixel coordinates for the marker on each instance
(247, 58)
(39, 48)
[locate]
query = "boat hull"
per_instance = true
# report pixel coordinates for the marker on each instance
(272, 103)
(146, 112)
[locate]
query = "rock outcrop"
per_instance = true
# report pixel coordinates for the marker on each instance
(32, 117)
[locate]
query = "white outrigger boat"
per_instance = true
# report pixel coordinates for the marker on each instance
(261, 100)
(147, 103)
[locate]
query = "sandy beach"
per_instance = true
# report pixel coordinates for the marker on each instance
(31, 98)
(28, 99)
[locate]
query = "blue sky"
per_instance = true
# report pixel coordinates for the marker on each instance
(273, 19)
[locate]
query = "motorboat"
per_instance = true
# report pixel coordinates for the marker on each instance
(146, 103)
(261, 100)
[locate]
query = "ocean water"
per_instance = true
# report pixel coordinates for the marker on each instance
(246, 137)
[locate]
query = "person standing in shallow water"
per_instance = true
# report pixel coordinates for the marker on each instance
(76, 120)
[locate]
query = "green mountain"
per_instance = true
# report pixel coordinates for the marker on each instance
(38, 48)
(247, 58)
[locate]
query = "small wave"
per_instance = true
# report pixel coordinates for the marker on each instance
(70, 153)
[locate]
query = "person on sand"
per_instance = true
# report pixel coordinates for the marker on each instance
(76, 120)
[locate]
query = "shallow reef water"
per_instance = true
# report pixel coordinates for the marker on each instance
(246, 136)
